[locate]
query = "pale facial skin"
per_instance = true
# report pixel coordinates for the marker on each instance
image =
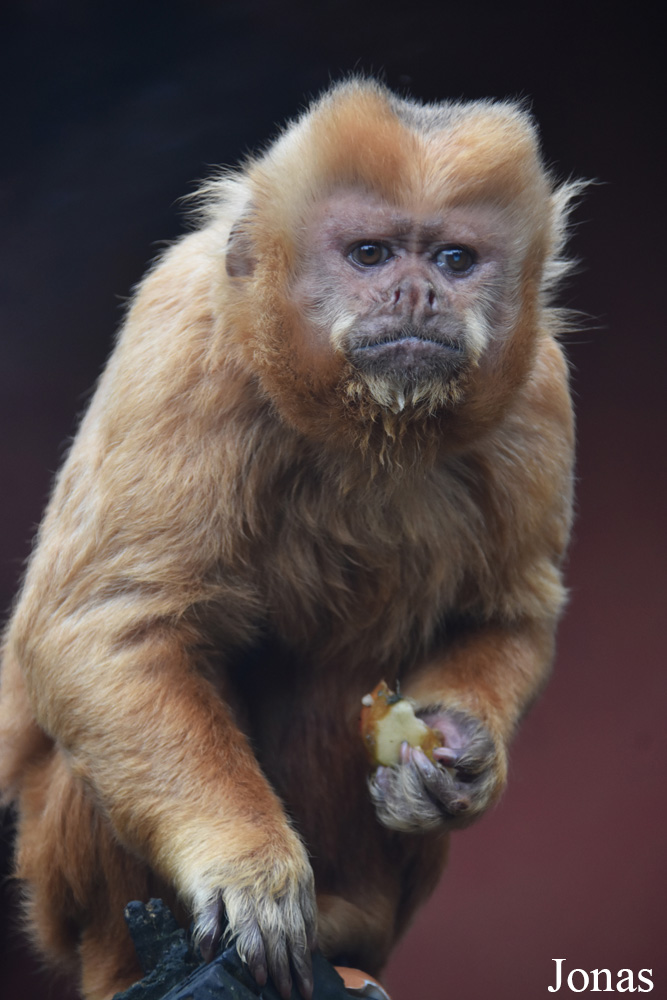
(403, 294)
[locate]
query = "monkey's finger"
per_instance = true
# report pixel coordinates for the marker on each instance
(382, 780)
(311, 936)
(446, 756)
(437, 780)
(207, 946)
(289, 946)
(302, 965)
(440, 784)
(309, 915)
(256, 961)
(478, 755)
(279, 966)
(209, 929)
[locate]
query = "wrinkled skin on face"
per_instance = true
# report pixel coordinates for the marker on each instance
(408, 298)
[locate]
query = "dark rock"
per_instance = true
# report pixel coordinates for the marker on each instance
(162, 948)
(174, 971)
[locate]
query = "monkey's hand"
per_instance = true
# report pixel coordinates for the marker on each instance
(267, 907)
(468, 774)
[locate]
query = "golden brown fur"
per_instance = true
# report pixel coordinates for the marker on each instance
(250, 532)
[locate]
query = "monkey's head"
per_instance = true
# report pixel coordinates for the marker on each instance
(388, 263)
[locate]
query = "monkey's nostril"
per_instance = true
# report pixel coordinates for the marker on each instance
(397, 295)
(431, 297)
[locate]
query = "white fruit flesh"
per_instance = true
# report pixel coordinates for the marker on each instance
(399, 725)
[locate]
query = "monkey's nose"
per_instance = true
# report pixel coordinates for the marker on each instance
(416, 297)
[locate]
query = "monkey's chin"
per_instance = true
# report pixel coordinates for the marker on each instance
(412, 374)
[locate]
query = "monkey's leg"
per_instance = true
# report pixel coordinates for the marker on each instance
(475, 694)
(358, 933)
(77, 879)
(107, 959)
(361, 924)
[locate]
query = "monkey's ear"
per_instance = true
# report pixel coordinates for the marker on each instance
(240, 259)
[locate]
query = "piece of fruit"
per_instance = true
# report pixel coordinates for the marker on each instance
(388, 720)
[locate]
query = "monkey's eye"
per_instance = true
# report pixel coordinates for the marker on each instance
(457, 259)
(369, 254)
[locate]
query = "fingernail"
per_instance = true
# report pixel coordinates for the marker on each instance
(446, 755)
(306, 987)
(285, 988)
(261, 975)
(207, 948)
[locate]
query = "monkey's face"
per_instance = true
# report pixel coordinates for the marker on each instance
(407, 302)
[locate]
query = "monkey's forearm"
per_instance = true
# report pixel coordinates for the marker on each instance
(151, 737)
(493, 673)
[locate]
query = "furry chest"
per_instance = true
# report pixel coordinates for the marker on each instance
(380, 592)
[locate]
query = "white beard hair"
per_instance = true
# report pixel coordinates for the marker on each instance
(400, 395)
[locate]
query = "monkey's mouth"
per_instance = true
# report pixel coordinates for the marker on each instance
(412, 354)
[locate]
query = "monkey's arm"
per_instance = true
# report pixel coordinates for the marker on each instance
(112, 669)
(492, 666)
(161, 754)
(135, 578)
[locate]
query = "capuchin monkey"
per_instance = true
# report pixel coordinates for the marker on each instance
(333, 446)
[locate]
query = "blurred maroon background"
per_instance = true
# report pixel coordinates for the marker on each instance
(112, 111)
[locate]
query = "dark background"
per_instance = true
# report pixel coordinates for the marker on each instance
(111, 112)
